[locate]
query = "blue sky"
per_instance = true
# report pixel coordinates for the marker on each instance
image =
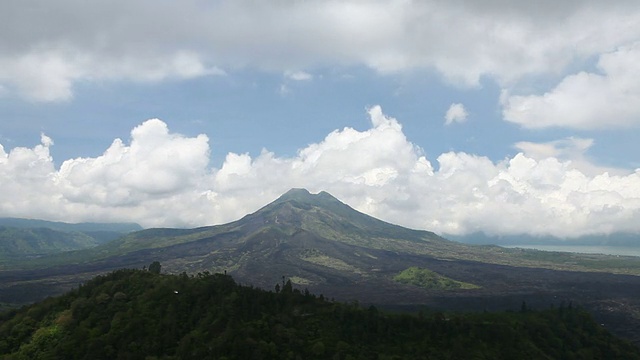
(456, 117)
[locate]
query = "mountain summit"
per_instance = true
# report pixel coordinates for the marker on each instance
(304, 196)
(325, 216)
(301, 194)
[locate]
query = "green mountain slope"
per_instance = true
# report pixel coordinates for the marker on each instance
(23, 242)
(78, 227)
(136, 314)
(22, 239)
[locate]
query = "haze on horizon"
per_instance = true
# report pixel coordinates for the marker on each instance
(504, 117)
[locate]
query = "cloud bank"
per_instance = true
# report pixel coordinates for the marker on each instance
(160, 178)
(47, 47)
(586, 100)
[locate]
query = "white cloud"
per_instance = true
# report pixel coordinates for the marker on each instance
(571, 151)
(49, 75)
(49, 46)
(159, 178)
(455, 113)
(41, 76)
(298, 75)
(154, 165)
(586, 100)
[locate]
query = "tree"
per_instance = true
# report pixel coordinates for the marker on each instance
(155, 267)
(288, 287)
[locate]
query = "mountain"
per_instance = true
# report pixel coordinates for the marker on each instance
(28, 238)
(324, 245)
(135, 314)
(314, 239)
(297, 211)
(26, 242)
(77, 227)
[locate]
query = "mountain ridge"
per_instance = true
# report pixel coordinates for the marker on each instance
(65, 226)
(18, 242)
(27, 238)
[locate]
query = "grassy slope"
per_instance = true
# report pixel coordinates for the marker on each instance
(431, 280)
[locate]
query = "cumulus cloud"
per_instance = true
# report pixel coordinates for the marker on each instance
(47, 47)
(455, 113)
(159, 178)
(156, 163)
(571, 150)
(586, 100)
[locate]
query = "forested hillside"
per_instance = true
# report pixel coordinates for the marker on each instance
(18, 243)
(26, 239)
(84, 227)
(138, 314)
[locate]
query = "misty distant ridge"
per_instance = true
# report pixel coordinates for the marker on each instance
(64, 226)
(28, 238)
(616, 239)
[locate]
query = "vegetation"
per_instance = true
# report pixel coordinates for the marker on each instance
(136, 314)
(84, 227)
(20, 242)
(25, 240)
(431, 280)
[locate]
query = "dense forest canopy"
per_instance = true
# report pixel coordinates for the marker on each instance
(138, 314)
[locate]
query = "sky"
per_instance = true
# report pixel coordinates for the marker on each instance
(458, 116)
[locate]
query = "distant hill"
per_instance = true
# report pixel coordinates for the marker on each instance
(28, 242)
(134, 314)
(28, 238)
(62, 226)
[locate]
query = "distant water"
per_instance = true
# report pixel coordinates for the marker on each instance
(585, 249)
